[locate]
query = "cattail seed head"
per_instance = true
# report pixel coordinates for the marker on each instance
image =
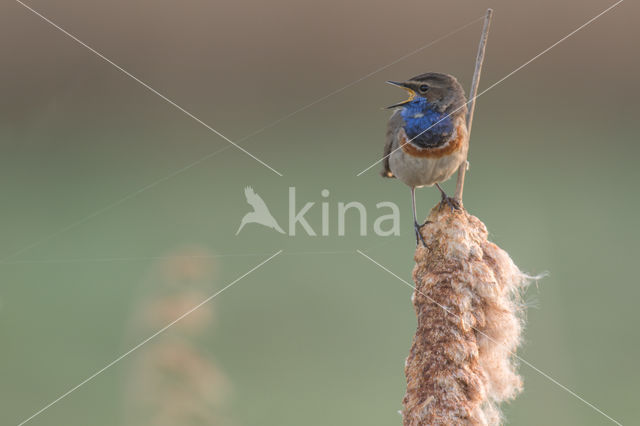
(467, 302)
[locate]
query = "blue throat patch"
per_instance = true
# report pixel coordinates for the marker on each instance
(419, 115)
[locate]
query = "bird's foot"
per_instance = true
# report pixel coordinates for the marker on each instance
(453, 203)
(419, 237)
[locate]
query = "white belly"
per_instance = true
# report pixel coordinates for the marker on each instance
(425, 171)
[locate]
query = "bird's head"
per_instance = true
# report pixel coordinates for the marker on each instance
(435, 91)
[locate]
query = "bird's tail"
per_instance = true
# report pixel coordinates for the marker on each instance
(277, 227)
(241, 226)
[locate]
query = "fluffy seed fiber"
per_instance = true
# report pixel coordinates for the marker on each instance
(461, 364)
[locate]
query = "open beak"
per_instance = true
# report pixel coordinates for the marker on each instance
(404, 86)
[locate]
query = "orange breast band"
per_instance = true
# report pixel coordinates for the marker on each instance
(451, 147)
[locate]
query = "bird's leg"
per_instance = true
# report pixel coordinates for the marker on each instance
(452, 202)
(416, 227)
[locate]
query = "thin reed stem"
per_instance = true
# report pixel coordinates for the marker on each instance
(472, 97)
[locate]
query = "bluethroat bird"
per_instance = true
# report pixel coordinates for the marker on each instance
(427, 136)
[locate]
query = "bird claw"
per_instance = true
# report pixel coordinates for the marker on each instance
(453, 203)
(419, 237)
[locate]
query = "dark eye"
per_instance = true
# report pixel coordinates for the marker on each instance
(423, 88)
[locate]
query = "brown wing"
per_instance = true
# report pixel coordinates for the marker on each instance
(393, 128)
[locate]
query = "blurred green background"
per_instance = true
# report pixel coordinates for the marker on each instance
(95, 197)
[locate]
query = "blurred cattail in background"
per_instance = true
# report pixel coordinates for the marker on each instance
(173, 381)
(467, 300)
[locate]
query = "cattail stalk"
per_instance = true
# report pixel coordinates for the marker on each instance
(467, 300)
